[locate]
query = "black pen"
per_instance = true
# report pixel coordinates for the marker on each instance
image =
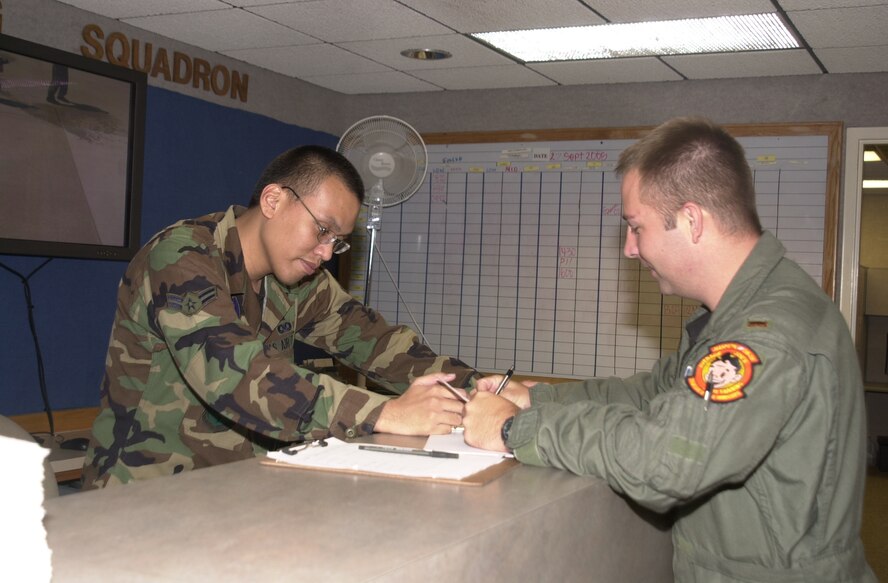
(505, 380)
(385, 449)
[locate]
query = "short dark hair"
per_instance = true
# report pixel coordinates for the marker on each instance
(304, 169)
(691, 159)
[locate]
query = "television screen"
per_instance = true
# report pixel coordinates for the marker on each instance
(71, 144)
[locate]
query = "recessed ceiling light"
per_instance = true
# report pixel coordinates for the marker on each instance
(426, 54)
(871, 156)
(750, 32)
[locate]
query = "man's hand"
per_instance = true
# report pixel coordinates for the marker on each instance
(518, 393)
(425, 408)
(484, 418)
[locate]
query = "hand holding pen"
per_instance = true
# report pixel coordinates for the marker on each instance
(421, 410)
(505, 380)
(517, 393)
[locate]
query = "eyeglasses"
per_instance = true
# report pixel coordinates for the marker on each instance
(325, 235)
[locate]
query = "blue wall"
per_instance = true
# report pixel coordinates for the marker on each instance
(199, 158)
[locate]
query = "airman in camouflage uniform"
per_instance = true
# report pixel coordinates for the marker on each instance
(200, 367)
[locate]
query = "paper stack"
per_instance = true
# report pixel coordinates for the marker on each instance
(24, 552)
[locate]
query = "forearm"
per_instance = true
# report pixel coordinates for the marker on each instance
(675, 453)
(275, 397)
(636, 390)
(393, 356)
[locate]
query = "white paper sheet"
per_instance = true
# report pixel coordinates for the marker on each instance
(339, 455)
(455, 443)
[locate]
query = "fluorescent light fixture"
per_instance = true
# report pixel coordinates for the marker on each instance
(749, 32)
(871, 156)
(875, 183)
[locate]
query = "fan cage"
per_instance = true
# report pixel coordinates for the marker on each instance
(395, 137)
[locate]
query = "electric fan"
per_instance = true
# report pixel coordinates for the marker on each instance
(392, 160)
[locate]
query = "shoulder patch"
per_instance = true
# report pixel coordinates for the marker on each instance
(721, 375)
(192, 302)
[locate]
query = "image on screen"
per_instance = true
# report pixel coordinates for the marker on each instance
(66, 155)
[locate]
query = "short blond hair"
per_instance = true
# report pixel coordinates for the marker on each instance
(691, 159)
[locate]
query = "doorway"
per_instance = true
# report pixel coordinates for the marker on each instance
(863, 286)
(863, 279)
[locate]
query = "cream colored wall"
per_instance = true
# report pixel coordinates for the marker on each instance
(874, 230)
(61, 26)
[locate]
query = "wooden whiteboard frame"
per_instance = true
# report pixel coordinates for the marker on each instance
(832, 130)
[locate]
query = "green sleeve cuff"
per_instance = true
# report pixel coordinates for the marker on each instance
(522, 437)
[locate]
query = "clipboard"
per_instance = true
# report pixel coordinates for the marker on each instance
(399, 467)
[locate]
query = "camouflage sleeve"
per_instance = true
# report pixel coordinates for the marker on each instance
(393, 356)
(224, 362)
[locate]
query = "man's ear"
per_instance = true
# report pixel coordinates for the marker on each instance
(694, 217)
(270, 199)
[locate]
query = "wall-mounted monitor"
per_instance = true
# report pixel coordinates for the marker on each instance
(71, 148)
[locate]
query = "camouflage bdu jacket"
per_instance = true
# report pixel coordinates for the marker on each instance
(200, 368)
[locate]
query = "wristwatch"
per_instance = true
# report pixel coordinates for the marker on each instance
(504, 432)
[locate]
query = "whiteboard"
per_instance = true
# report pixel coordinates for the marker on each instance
(511, 252)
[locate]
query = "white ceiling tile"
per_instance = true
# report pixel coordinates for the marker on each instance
(647, 10)
(843, 27)
(347, 20)
(750, 64)
(384, 82)
(496, 15)
(465, 51)
(335, 39)
(635, 70)
(815, 4)
(126, 8)
(496, 77)
(853, 59)
(307, 60)
(221, 30)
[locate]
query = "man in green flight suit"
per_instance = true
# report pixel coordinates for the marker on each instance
(753, 433)
(200, 367)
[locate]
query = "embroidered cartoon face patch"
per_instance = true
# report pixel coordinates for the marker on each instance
(724, 372)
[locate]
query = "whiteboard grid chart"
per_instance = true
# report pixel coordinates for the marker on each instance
(511, 253)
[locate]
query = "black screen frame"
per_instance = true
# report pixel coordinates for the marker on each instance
(135, 157)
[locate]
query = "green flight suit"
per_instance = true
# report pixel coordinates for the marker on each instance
(763, 469)
(200, 368)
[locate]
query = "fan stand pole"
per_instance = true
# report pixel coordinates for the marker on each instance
(367, 281)
(374, 222)
(361, 380)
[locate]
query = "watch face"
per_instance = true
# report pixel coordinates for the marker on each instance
(507, 426)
